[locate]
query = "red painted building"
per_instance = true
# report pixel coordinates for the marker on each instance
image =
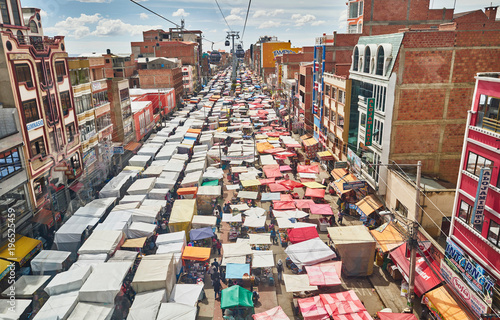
(475, 224)
(163, 100)
(144, 118)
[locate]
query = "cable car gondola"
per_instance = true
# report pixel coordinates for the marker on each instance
(215, 57)
(240, 53)
(227, 43)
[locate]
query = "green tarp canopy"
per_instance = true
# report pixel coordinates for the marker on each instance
(236, 296)
(211, 183)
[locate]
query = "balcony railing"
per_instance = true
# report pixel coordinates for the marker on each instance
(491, 124)
(39, 43)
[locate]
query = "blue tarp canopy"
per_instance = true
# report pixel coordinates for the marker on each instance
(202, 233)
(237, 270)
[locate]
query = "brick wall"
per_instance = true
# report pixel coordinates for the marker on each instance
(417, 104)
(459, 102)
(427, 66)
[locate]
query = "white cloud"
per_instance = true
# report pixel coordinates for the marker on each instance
(301, 20)
(269, 24)
(111, 27)
(233, 18)
(43, 13)
(318, 23)
(343, 21)
(268, 13)
(143, 16)
(237, 11)
(180, 13)
(95, 1)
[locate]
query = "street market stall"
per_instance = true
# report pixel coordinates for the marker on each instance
(155, 272)
(203, 221)
(175, 311)
(275, 313)
(239, 273)
(58, 306)
(262, 265)
(442, 305)
(21, 250)
(188, 294)
(325, 273)
(388, 238)
(309, 252)
(95, 311)
(260, 241)
(147, 304)
(105, 282)
(239, 252)
(235, 222)
(237, 302)
(19, 312)
(101, 241)
(205, 198)
(297, 235)
(312, 308)
(26, 286)
(50, 262)
(68, 281)
(345, 303)
(183, 211)
(201, 237)
(195, 263)
(141, 186)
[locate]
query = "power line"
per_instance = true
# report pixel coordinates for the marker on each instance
(222, 15)
(246, 18)
(157, 14)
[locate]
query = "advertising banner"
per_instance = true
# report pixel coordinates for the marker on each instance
(481, 194)
(354, 161)
(270, 50)
(370, 113)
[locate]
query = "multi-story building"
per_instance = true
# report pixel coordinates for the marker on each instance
(121, 111)
(155, 73)
(35, 82)
(475, 228)
(187, 79)
(304, 95)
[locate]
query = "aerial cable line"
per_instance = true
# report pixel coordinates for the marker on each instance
(246, 18)
(157, 14)
(221, 13)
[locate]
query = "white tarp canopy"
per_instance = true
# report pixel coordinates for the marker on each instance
(94, 311)
(146, 305)
(170, 175)
(248, 195)
(162, 183)
(58, 306)
(269, 196)
(26, 286)
(119, 216)
(192, 179)
(6, 312)
(285, 223)
(240, 207)
(176, 311)
(297, 283)
(112, 226)
(124, 255)
(203, 221)
(114, 186)
(262, 259)
(105, 282)
(175, 166)
(141, 186)
(235, 252)
(228, 217)
(172, 237)
(158, 194)
(141, 229)
(195, 166)
(130, 205)
(309, 252)
(213, 174)
(148, 151)
(166, 152)
(187, 294)
(139, 161)
(91, 212)
(102, 241)
(155, 272)
(287, 214)
(214, 191)
(150, 203)
(105, 203)
(255, 212)
(49, 260)
(67, 281)
(146, 214)
(267, 159)
(260, 238)
(132, 198)
(153, 171)
(255, 222)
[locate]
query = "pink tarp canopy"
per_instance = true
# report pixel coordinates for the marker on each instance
(315, 193)
(293, 145)
(266, 181)
(274, 313)
(283, 205)
(275, 150)
(321, 208)
(272, 171)
(297, 235)
(276, 187)
(313, 309)
(266, 128)
(290, 184)
(286, 197)
(363, 315)
(345, 302)
(285, 168)
(308, 168)
(324, 274)
(303, 203)
(396, 316)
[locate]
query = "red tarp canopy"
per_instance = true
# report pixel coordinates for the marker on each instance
(315, 193)
(273, 134)
(312, 308)
(266, 181)
(283, 205)
(293, 145)
(396, 316)
(342, 303)
(266, 128)
(297, 235)
(272, 171)
(325, 273)
(303, 203)
(425, 280)
(291, 184)
(321, 208)
(275, 150)
(276, 187)
(286, 197)
(285, 168)
(308, 168)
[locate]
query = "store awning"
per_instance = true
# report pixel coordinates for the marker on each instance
(133, 146)
(23, 250)
(368, 205)
(325, 155)
(441, 301)
(339, 173)
(338, 185)
(196, 253)
(44, 216)
(236, 296)
(387, 237)
(134, 243)
(315, 193)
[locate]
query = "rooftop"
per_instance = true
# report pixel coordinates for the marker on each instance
(137, 106)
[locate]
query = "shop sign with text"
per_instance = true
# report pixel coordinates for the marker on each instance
(482, 192)
(370, 113)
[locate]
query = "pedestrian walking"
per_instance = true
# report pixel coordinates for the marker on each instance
(273, 235)
(215, 264)
(279, 268)
(218, 246)
(217, 223)
(341, 217)
(217, 288)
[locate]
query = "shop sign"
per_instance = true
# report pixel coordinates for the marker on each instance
(354, 161)
(89, 158)
(35, 124)
(340, 165)
(481, 194)
(469, 271)
(370, 113)
(476, 304)
(353, 185)
(118, 150)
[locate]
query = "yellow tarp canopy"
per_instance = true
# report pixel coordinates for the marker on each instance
(23, 250)
(221, 129)
(444, 303)
(196, 253)
(264, 146)
(388, 239)
(368, 204)
(313, 185)
(183, 211)
(261, 136)
(338, 173)
(340, 183)
(250, 183)
(134, 243)
(310, 142)
(198, 131)
(4, 268)
(326, 155)
(273, 139)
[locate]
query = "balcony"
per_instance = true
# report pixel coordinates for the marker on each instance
(39, 43)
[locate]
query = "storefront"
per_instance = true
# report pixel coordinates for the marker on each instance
(195, 263)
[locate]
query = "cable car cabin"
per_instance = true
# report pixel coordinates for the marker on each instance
(240, 53)
(227, 43)
(215, 57)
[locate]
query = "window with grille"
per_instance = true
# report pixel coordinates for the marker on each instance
(65, 102)
(10, 163)
(30, 111)
(23, 74)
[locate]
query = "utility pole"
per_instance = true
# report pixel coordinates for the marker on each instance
(413, 241)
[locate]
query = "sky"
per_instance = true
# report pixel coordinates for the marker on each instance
(96, 25)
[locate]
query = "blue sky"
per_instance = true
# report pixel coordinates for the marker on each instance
(97, 25)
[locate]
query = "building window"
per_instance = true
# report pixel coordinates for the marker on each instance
(327, 90)
(15, 12)
(124, 95)
(355, 59)
(366, 68)
(10, 163)
(79, 76)
(488, 115)
(23, 74)
(49, 74)
(353, 10)
(39, 72)
(327, 113)
(332, 117)
(465, 214)
(142, 123)
(494, 232)
(60, 70)
(5, 12)
(402, 209)
(475, 162)
(380, 62)
(75, 162)
(100, 98)
(363, 120)
(30, 111)
(340, 122)
(40, 187)
(38, 147)
(65, 102)
(70, 132)
(33, 27)
(341, 96)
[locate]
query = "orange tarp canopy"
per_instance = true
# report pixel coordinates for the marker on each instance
(441, 300)
(368, 204)
(263, 146)
(338, 173)
(198, 131)
(196, 253)
(388, 238)
(184, 191)
(132, 146)
(340, 184)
